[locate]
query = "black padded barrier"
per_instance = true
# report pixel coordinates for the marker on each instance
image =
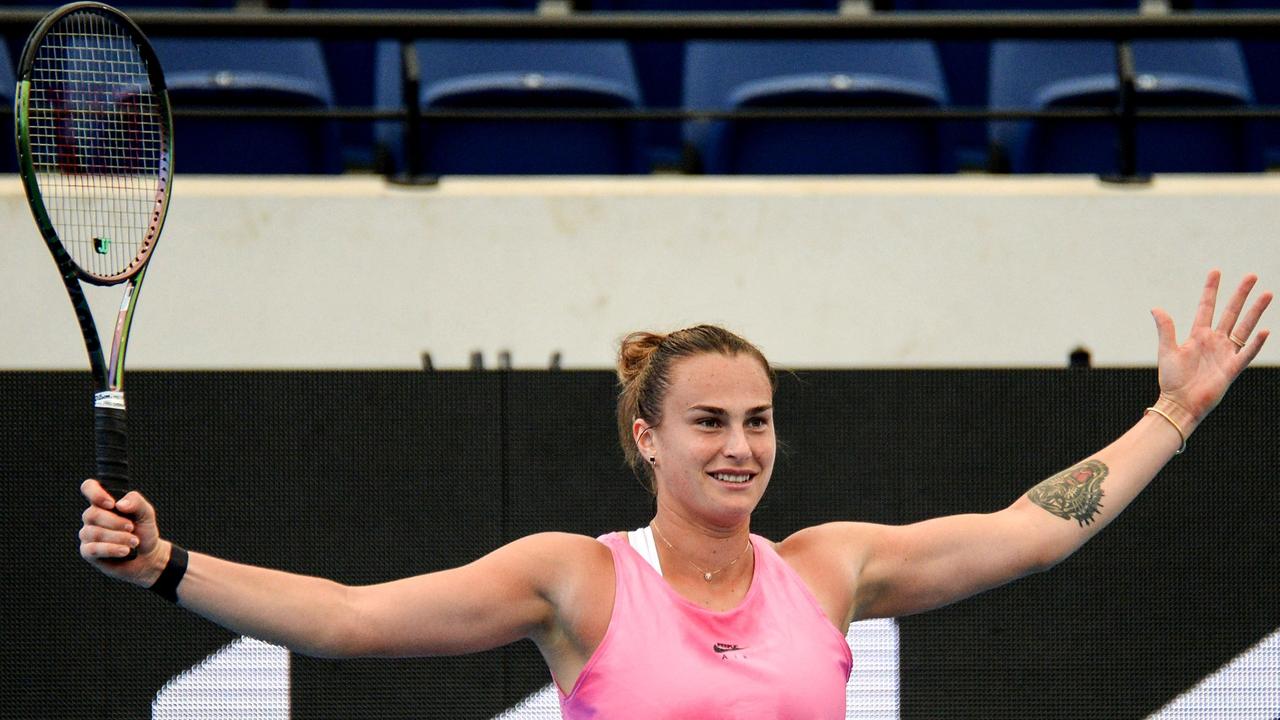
(367, 476)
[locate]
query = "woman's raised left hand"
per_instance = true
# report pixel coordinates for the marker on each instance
(1196, 374)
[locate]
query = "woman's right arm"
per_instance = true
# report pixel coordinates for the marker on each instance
(504, 596)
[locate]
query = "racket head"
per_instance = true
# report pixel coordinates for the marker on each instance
(94, 132)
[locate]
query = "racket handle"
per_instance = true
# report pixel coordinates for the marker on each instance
(111, 443)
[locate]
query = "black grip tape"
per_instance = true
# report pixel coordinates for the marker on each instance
(111, 441)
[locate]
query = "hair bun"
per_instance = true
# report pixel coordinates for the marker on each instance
(635, 353)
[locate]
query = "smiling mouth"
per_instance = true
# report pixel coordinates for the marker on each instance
(732, 478)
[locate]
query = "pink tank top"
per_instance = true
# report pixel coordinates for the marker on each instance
(776, 655)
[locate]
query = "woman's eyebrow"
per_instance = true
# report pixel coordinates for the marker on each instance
(713, 410)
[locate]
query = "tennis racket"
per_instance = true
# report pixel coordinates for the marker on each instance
(95, 151)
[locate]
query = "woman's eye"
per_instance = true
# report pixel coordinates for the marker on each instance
(708, 422)
(758, 422)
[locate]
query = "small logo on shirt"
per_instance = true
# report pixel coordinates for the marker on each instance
(729, 650)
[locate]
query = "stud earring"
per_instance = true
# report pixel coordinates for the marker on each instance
(653, 460)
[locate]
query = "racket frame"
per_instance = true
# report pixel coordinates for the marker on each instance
(108, 376)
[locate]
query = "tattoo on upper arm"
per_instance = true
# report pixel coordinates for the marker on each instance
(1074, 494)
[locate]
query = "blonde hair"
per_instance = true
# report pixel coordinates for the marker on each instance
(644, 375)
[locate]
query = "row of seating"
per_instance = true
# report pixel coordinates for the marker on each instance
(760, 74)
(671, 5)
(717, 76)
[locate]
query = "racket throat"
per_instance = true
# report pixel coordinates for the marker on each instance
(120, 341)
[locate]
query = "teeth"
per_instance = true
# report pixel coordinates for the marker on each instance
(727, 477)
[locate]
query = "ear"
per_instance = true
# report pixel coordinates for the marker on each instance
(642, 433)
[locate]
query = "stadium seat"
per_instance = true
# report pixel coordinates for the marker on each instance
(351, 61)
(9, 159)
(1235, 4)
(1013, 5)
(710, 5)
(965, 63)
(1170, 73)
(171, 4)
(515, 75)
(1262, 57)
(660, 63)
(423, 5)
(829, 74)
(252, 73)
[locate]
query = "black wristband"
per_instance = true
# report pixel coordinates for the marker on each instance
(166, 586)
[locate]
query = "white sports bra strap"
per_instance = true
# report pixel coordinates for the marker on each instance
(642, 540)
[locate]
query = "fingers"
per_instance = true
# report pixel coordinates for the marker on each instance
(104, 534)
(1231, 312)
(137, 507)
(1236, 326)
(100, 550)
(1251, 350)
(132, 505)
(95, 534)
(1244, 328)
(1208, 299)
(110, 526)
(103, 511)
(96, 495)
(1165, 331)
(98, 517)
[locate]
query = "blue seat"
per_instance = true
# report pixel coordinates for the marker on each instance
(826, 75)
(252, 73)
(1262, 57)
(660, 63)
(515, 75)
(1235, 4)
(710, 5)
(1170, 73)
(1011, 5)
(965, 63)
(8, 80)
(424, 5)
(351, 61)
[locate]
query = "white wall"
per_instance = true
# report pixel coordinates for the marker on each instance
(857, 272)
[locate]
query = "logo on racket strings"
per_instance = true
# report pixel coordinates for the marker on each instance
(101, 245)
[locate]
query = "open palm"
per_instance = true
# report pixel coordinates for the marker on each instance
(1196, 374)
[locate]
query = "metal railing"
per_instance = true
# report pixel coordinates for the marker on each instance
(366, 25)
(1118, 27)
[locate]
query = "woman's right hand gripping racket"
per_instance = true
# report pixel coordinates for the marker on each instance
(95, 151)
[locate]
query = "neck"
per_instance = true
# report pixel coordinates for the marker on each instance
(712, 554)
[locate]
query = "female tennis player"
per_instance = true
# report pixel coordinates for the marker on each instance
(693, 616)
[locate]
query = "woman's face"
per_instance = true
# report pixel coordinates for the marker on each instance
(715, 445)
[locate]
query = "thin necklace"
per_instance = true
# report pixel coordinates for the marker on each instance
(706, 575)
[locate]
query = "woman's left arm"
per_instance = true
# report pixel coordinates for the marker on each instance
(907, 569)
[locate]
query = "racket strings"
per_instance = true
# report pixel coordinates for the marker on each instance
(99, 141)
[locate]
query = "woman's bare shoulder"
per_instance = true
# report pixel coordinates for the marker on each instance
(826, 542)
(566, 557)
(563, 544)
